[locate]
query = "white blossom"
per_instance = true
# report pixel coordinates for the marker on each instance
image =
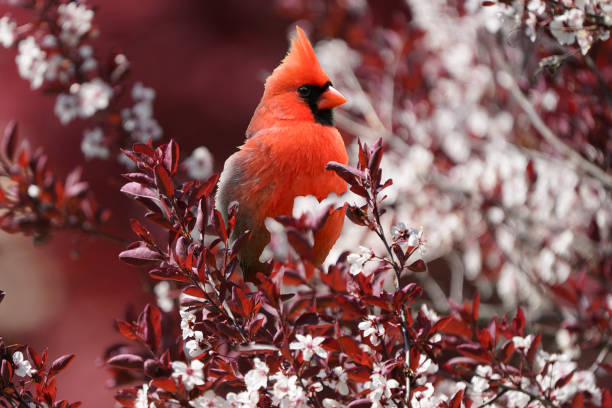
(188, 320)
(380, 387)
(342, 385)
(142, 93)
(357, 261)
(257, 377)
(7, 31)
(372, 329)
(194, 346)
(429, 313)
(31, 62)
(162, 292)
(424, 398)
(66, 108)
(138, 120)
(209, 400)
(286, 393)
(191, 375)
(480, 382)
(200, 164)
(33, 191)
(75, 21)
(244, 399)
(310, 205)
(142, 398)
(522, 342)
(92, 146)
(564, 26)
(331, 403)
(309, 346)
(23, 368)
(93, 96)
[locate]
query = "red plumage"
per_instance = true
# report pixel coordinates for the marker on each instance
(289, 141)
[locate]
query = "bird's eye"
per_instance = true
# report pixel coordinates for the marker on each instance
(304, 91)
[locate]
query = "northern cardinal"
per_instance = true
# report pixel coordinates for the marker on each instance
(289, 140)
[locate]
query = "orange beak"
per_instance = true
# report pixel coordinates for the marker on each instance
(330, 99)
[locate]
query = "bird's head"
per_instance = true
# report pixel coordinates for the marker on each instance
(299, 86)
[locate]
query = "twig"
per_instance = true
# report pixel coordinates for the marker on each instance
(105, 235)
(492, 400)
(602, 83)
(600, 358)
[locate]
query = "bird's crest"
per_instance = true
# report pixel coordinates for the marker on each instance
(300, 66)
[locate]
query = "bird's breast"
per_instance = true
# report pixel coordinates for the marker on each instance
(290, 161)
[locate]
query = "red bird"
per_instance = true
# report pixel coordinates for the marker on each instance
(289, 140)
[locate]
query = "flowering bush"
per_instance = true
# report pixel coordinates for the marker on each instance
(498, 148)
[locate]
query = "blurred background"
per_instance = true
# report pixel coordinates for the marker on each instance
(497, 123)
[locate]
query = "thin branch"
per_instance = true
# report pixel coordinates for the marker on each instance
(602, 83)
(105, 235)
(492, 400)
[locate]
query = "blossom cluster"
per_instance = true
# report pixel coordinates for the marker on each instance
(56, 53)
(35, 201)
(579, 22)
(27, 378)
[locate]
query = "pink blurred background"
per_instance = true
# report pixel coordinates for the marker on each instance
(206, 61)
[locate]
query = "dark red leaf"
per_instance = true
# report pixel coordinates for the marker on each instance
(194, 291)
(126, 361)
(163, 181)
(207, 187)
(144, 149)
(578, 401)
(440, 324)
(9, 138)
(60, 364)
(506, 351)
(564, 380)
(350, 174)
(140, 178)
(606, 399)
(127, 330)
(535, 344)
(360, 403)
(171, 157)
(35, 357)
(376, 301)
(141, 231)
(166, 384)
(152, 331)
(475, 307)
(418, 266)
(138, 253)
(168, 273)
(475, 352)
(456, 401)
(375, 156)
(6, 372)
(138, 190)
(518, 323)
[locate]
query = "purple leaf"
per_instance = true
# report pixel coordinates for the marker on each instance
(138, 253)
